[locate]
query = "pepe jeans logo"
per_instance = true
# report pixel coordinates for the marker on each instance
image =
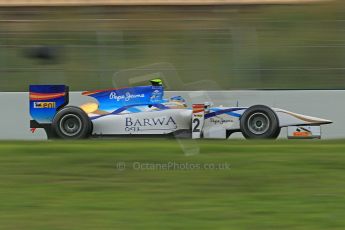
(156, 123)
(44, 105)
(125, 97)
(220, 121)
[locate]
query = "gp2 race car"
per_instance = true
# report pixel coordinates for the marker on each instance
(142, 110)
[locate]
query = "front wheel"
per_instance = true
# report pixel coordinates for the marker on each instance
(260, 122)
(72, 123)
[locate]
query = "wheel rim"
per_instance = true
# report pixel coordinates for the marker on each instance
(70, 125)
(258, 123)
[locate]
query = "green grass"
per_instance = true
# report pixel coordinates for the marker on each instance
(77, 185)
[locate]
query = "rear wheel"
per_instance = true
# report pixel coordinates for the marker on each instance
(260, 122)
(72, 123)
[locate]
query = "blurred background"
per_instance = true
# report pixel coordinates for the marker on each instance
(208, 44)
(241, 45)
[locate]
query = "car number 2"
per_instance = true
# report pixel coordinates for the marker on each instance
(196, 121)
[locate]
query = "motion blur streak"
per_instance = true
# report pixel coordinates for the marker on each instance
(99, 185)
(235, 46)
(146, 2)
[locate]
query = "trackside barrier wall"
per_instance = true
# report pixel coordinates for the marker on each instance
(328, 104)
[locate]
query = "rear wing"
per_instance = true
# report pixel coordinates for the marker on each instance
(45, 101)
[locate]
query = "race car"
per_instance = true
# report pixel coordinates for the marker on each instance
(143, 110)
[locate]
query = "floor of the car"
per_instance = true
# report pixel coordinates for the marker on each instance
(183, 134)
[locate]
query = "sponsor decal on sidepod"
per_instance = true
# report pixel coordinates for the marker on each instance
(155, 123)
(220, 121)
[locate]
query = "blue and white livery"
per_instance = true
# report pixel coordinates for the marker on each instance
(143, 110)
